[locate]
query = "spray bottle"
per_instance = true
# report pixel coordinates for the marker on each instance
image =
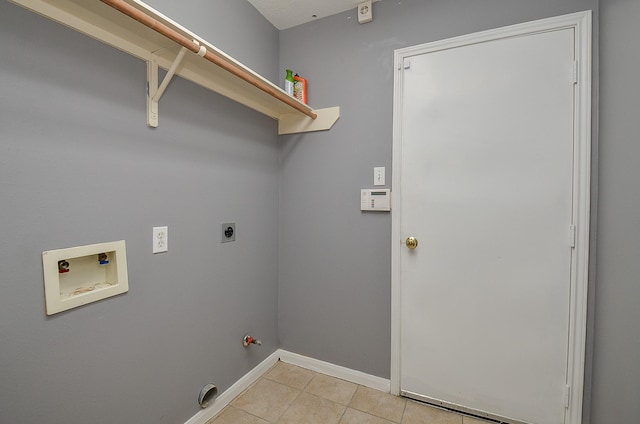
(288, 82)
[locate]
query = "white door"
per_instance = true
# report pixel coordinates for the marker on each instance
(487, 187)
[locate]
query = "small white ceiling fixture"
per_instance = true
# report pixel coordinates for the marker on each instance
(285, 14)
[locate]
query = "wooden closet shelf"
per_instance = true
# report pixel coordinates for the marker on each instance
(135, 28)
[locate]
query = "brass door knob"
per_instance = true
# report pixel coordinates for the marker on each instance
(411, 242)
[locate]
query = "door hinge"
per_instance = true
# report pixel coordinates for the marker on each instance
(572, 236)
(567, 396)
(575, 72)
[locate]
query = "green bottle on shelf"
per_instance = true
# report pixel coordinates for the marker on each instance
(288, 82)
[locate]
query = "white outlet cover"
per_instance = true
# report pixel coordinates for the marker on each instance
(160, 239)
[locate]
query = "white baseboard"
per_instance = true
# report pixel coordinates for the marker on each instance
(252, 376)
(337, 371)
(232, 392)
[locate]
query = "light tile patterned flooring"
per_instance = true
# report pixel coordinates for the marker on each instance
(288, 394)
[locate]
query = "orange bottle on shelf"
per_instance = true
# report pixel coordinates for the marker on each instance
(300, 88)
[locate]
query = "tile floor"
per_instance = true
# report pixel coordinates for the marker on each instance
(288, 394)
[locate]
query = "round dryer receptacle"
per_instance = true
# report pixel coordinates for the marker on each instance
(207, 394)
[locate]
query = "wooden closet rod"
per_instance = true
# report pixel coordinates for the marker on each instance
(234, 69)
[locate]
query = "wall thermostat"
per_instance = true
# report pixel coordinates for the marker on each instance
(377, 200)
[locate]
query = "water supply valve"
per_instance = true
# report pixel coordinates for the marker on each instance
(103, 259)
(63, 266)
(249, 340)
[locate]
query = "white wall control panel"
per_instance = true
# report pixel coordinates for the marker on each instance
(377, 200)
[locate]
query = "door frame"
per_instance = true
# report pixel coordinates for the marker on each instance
(581, 23)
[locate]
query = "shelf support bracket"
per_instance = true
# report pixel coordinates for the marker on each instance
(155, 92)
(295, 123)
(152, 87)
(167, 78)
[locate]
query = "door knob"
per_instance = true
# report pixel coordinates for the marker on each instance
(411, 242)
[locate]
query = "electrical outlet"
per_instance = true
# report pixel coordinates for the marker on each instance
(160, 239)
(228, 232)
(365, 12)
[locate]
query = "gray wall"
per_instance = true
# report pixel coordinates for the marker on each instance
(616, 373)
(335, 266)
(79, 166)
(236, 28)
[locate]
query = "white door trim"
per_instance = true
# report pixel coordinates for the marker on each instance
(581, 23)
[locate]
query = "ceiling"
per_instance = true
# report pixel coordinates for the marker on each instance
(285, 14)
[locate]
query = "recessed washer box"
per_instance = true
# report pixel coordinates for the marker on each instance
(79, 275)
